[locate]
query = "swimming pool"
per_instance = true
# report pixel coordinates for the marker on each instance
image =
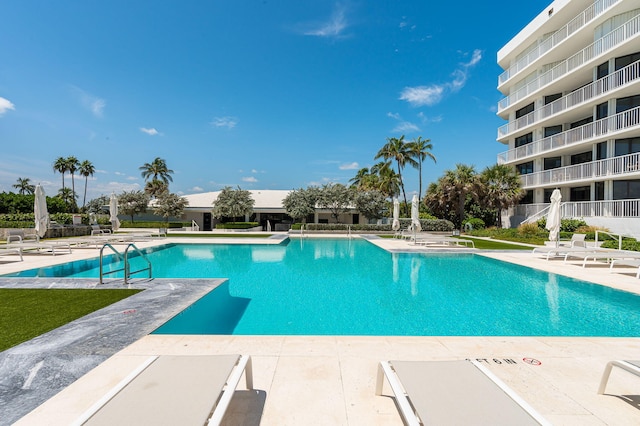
(338, 287)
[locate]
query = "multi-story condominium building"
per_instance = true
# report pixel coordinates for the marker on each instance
(571, 86)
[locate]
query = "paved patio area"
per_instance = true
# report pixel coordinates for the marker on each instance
(306, 379)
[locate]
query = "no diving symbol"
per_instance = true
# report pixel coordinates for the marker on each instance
(532, 361)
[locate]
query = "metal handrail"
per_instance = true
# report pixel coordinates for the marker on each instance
(127, 266)
(618, 236)
(195, 226)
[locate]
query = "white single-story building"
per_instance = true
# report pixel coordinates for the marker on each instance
(267, 207)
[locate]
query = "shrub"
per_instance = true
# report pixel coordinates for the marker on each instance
(474, 223)
(155, 224)
(429, 225)
(237, 225)
(627, 244)
(529, 229)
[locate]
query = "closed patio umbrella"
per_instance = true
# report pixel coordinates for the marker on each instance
(40, 212)
(395, 225)
(415, 215)
(113, 212)
(554, 216)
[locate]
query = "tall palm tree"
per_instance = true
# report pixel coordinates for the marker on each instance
(502, 188)
(157, 170)
(359, 177)
(460, 183)
(397, 149)
(72, 167)
(24, 186)
(60, 166)
(155, 188)
(67, 195)
(86, 169)
(420, 149)
(387, 181)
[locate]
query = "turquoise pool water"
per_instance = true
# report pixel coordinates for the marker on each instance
(338, 287)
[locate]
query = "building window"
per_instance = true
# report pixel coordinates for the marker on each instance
(581, 122)
(581, 193)
(552, 163)
(623, 61)
(601, 151)
(626, 189)
(602, 111)
(527, 199)
(524, 139)
(599, 188)
(525, 110)
(525, 168)
(551, 98)
(603, 70)
(627, 146)
(583, 157)
(624, 104)
(552, 130)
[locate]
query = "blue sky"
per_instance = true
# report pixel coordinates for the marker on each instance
(257, 94)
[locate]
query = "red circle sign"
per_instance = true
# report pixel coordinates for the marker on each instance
(532, 361)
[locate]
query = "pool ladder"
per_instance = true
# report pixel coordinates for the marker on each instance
(127, 266)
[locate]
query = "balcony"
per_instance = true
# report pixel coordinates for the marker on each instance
(601, 129)
(575, 209)
(613, 39)
(622, 77)
(607, 168)
(588, 15)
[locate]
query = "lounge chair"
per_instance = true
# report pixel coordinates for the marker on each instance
(603, 254)
(4, 250)
(16, 239)
(632, 367)
(453, 392)
(635, 263)
(173, 390)
(442, 240)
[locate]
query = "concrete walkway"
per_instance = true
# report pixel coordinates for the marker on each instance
(308, 379)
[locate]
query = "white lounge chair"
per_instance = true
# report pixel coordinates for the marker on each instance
(603, 254)
(4, 250)
(562, 252)
(16, 239)
(635, 263)
(632, 367)
(173, 390)
(453, 393)
(442, 240)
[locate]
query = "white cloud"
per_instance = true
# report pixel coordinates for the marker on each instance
(349, 166)
(254, 171)
(196, 189)
(5, 105)
(152, 131)
(93, 103)
(250, 179)
(406, 127)
(431, 95)
(228, 122)
(334, 27)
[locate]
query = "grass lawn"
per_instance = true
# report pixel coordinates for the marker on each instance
(495, 245)
(28, 313)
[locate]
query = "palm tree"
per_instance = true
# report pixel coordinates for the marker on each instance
(155, 188)
(24, 186)
(67, 195)
(60, 166)
(386, 180)
(72, 167)
(157, 170)
(501, 188)
(86, 169)
(396, 149)
(420, 149)
(460, 183)
(358, 179)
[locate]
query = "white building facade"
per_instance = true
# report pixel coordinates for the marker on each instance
(571, 86)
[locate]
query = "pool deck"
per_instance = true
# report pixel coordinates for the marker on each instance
(318, 380)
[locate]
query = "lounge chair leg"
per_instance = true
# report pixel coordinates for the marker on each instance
(605, 378)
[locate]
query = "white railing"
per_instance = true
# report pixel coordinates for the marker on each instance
(606, 84)
(588, 15)
(625, 120)
(195, 226)
(575, 209)
(623, 164)
(608, 42)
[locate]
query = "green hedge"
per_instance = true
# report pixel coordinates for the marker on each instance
(156, 224)
(237, 225)
(428, 225)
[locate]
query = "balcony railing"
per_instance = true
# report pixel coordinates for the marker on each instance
(606, 84)
(587, 15)
(575, 209)
(624, 164)
(607, 42)
(598, 129)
